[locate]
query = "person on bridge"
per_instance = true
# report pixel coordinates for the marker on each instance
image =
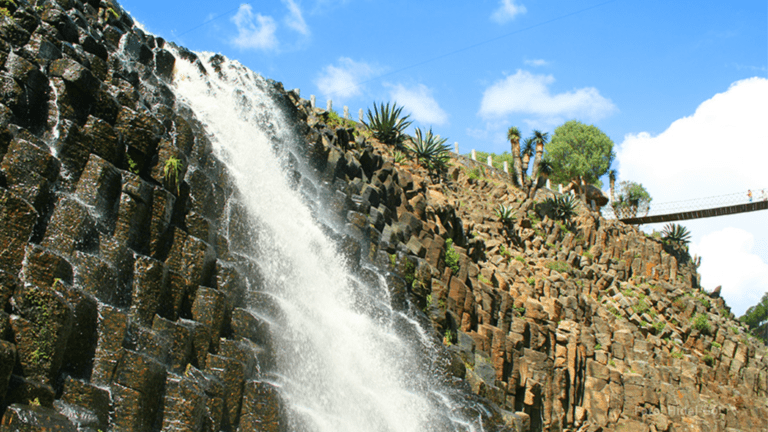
(763, 196)
(749, 194)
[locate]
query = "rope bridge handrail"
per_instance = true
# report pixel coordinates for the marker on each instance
(692, 206)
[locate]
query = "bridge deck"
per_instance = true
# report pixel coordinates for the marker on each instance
(698, 214)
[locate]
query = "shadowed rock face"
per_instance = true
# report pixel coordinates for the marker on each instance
(122, 288)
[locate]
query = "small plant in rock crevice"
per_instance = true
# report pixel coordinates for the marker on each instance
(708, 360)
(448, 337)
(451, 256)
(132, 165)
(505, 214)
(701, 323)
(171, 172)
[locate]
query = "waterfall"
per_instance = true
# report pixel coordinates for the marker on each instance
(343, 358)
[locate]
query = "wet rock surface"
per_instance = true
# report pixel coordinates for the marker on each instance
(123, 287)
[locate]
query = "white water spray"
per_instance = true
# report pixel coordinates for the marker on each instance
(345, 361)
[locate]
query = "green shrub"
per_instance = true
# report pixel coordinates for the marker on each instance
(520, 258)
(598, 347)
(558, 266)
(612, 363)
(701, 323)
(708, 360)
(451, 256)
(531, 281)
(716, 345)
(641, 307)
(475, 173)
(677, 354)
(659, 326)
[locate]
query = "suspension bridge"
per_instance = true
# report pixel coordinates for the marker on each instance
(721, 205)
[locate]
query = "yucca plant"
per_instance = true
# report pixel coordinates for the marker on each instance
(505, 214)
(563, 207)
(676, 233)
(430, 150)
(386, 124)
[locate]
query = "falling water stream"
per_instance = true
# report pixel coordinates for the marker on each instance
(344, 359)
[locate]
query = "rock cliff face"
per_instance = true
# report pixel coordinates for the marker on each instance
(123, 300)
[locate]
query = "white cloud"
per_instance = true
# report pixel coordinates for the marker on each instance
(720, 149)
(295, 19)
(536, 62)
(344, 80)
(420, 102)
(258, 35)
(526, 93)
(728, 260)
(507, 11)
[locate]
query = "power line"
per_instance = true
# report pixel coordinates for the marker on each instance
(209, 21)
(378, 77)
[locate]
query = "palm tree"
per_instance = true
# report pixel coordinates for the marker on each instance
(615, 204)
(513, 135)
(545, 169)
(527, 152)
(540, 138)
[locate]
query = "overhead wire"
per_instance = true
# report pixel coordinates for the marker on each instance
(438, 57)
(475, 45)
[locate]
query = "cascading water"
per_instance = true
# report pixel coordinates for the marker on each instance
(344, 359)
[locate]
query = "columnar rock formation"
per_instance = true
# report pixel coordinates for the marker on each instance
(123, 297)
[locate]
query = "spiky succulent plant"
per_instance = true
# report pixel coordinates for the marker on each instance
(429, 149)
(387, 124)
(676, 233)
(563, 207)
(505, 214)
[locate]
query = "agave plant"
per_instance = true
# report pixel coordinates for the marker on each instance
(430, 150)
(505, 214)
(676, 233)
(563, 207)
(386, 124)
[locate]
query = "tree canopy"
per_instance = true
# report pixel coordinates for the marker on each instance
(579, 152)
(633, 199)
(756, 318)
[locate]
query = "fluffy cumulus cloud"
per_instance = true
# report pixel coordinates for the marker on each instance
(343, 80)
(295, 19)
(507, 11)
(254, 31)
(719, 150)
(529, 94)
(420, 103)
(729, 260)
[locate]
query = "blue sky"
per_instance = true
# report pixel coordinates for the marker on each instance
(470, 70)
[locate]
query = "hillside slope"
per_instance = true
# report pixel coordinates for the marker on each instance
(586, 325)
